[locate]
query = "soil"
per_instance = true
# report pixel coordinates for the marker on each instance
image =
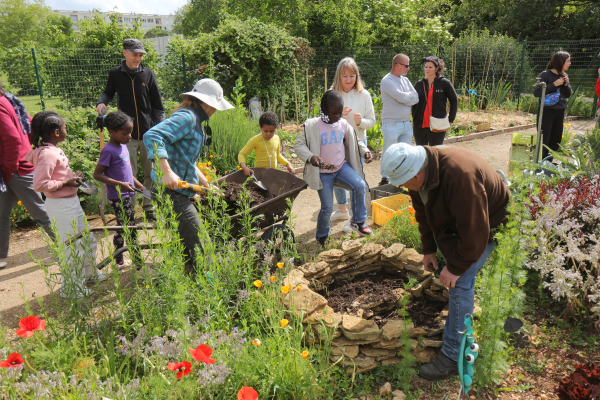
(375, 286)
(328, 167)
(231, 194)
(379, 286)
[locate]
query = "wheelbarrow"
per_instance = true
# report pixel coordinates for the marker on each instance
(280, 187)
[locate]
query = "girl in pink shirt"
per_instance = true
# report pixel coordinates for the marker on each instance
(54, 177)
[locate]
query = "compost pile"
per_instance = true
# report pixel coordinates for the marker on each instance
(232, 192)
(375, 296)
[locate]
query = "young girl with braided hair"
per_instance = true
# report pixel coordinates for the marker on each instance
(332, 154)
(114, 169)
(54, 177)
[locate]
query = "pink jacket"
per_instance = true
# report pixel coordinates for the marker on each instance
(51, 168)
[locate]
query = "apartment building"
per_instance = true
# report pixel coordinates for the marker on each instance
(148, 21)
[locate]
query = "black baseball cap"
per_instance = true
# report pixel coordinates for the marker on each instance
(134, 45)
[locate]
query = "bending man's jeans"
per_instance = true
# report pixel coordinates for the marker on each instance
(462, 302)
(395, 132)
(340, 194)
(349, 178)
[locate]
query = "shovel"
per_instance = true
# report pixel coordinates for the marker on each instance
(259, 183)
(88, 187)
(145, 193)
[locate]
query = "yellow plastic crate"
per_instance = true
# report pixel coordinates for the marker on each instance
(384, 209)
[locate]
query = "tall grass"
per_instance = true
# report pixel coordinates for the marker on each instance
(232, 129)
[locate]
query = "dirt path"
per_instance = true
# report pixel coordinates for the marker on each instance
(22, 279)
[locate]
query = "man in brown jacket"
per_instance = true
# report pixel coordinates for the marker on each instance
(459, 200)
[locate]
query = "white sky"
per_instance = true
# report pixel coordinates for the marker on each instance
(125, 6)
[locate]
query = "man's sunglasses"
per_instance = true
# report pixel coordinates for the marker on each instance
(406, 65)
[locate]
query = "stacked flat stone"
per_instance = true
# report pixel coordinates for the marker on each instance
(358, 342)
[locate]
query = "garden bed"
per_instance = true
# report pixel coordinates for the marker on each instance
(357, 295)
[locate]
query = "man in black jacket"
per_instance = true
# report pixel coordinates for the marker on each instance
(137, 96)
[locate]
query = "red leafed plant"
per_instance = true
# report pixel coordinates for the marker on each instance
(583, 384)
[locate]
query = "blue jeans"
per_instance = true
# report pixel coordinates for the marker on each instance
(349, 178)
(395, 132)
(462, 302)
(340, 194)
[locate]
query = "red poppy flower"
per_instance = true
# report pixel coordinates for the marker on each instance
(30, 324)
(247, 393)
(13, 360)
(183, 368)
(202, 354)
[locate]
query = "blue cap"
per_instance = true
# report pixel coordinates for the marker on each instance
(401, 162)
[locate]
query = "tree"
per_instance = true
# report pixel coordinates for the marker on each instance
(155, 32)
(529, 19)
(61, 22)
(21, 21)
(199, 16)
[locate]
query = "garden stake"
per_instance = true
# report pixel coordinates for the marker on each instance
(296, 98)
(538, 143)
(103, 203)
(325, 73)
(469, 350)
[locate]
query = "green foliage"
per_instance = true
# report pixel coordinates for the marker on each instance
(22, 22)
(155, 32)
(20, 218)
(250, 49)
(374, 135)
(581, 106)
(580, 156)
(62, 22)
(553, 18)
(232, 129)
(500, 295)
(199, 16)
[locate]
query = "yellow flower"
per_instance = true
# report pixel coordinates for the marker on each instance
(272, 279)
(209, 163)
(147, 286)
(256, 342)
(225, 171)
(279, 265)
(298, 288)
(211, 156)
(305, 354)
(19, 202)
(568, 124)
(284, 323)
(257, 283)
(285, 289)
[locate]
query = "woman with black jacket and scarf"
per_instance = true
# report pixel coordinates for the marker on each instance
(435, 92)
(554, 116)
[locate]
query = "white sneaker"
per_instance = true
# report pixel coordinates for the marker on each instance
(3, 264)
(347, 227)
(100, 277)
(337, 215)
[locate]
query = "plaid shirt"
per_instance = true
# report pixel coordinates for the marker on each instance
(178, 139)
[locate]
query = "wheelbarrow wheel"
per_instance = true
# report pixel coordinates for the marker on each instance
(279, 230)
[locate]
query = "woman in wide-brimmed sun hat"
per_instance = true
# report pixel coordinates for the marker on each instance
(175, 144)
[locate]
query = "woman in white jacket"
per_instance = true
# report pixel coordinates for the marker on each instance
(360, 115)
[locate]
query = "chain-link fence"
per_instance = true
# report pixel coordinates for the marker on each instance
(500, 67)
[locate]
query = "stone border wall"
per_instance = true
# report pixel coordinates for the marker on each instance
(359, 342)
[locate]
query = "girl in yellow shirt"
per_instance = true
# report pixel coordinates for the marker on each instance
(266, 146)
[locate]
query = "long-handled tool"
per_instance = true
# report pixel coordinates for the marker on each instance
(195, 188)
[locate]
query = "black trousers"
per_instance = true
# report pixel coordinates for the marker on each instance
(424, 137)
(552, 129)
